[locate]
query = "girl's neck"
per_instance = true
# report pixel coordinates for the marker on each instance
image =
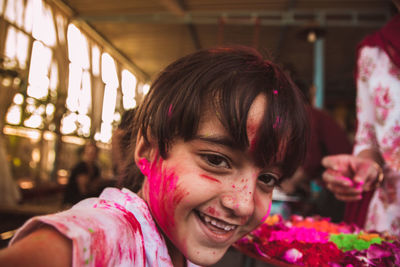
(177, 258)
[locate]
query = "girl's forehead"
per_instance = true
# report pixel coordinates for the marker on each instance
(255, 117)
(210, 119)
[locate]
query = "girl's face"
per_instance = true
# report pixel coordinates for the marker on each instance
(207, 194)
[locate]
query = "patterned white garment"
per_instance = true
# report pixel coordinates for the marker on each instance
(116, 229)
(378, 114)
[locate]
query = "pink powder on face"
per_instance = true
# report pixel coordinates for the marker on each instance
(210, 178)
(267, 214)
(163, 193)
(212, 211)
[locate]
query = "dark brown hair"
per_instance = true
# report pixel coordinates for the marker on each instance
(227, 80)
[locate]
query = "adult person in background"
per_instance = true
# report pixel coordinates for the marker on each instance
(376, 153)
(327, 137)
(84, 177)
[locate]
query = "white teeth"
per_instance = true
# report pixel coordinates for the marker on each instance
(217, 223)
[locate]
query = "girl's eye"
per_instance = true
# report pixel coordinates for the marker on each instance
(216, 160)
(268, 179)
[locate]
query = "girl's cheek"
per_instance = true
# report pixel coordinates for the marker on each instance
(263, 207)
(267, 213)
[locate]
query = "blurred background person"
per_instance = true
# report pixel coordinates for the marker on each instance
(120, 144)
(84, 179)
(327, 137)
(376, 154)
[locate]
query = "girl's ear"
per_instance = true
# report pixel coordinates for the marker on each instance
(143, 150)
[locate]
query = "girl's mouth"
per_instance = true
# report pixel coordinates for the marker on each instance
(215, 225)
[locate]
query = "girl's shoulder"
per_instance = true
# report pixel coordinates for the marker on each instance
(114, 229)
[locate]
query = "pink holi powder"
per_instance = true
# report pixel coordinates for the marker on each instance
(212, 211)
(170, 111)
(275, 92)
(210, 178)
(267, 214)
(277, 122)
(164, 194)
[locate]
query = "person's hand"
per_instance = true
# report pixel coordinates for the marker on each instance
(348, 176)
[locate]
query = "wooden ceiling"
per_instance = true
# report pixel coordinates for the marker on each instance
(153, 33)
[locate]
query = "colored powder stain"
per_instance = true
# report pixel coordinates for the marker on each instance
(210, 178)
(170, 111)
(267, 214)
(277, 122)
(144, 166)
(233, 186)
(91, 230)
(99, 245)
(275, 92)
(212, 211)
(163, 193)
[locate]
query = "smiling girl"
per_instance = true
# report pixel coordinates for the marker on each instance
(217, 131)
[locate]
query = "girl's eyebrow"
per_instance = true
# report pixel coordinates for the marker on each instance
(217, 140)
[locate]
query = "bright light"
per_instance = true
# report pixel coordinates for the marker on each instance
(34, 121)
(85, 97)
(43, 26)
(108, 70)
(68, 124)
(74, 87)
(14, 115)
(25, 184)
(95, 60)
(146, 88)
(110, 97)
(106, 132)
(77, 47)
(128, 89)
(50, 108)
(38, 71)
(18, 99)
(84, 120)
(36, 155)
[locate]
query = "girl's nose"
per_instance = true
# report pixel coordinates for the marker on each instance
(240, 200)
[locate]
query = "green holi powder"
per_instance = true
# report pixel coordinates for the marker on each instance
(91, 230)
(346, 242)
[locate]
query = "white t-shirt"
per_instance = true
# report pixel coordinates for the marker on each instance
(115, 229)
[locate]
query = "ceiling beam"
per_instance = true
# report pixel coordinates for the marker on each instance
(174, 6)
(326, 18)
(177, 7)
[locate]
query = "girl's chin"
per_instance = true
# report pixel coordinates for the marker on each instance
(205, 258)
